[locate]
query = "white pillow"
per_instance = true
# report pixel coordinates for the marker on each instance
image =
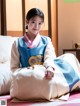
(5, 78)
(5, 47)
(31, 84)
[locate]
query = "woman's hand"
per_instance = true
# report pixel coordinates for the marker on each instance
(49, 74)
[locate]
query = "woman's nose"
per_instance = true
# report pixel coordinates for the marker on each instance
(36, 25)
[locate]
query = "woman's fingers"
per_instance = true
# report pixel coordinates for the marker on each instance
(49, 74)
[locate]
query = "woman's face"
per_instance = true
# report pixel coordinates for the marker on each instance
(34, 25)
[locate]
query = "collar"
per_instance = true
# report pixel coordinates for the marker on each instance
(34, 43)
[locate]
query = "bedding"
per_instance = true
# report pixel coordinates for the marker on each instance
(5, 78)
(5, 47)
(5, 55)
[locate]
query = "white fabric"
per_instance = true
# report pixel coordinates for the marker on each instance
(5, 47)
(5, 78)
(5, 55)
(31, 84)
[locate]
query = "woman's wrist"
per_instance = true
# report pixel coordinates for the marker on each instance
(50, 68)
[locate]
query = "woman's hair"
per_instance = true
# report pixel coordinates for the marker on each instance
(34, 12)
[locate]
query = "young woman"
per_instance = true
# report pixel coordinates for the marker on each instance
(32, 48)
(53, 76)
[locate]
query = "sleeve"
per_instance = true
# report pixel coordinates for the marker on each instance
(49, 55)
(15, 63)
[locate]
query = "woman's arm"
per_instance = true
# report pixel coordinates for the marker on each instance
(15, 63)
(49, 57)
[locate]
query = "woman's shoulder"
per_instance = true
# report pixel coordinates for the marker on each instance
(20, 38)
(15, 43)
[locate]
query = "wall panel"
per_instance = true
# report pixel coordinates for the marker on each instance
(14, 16)
(54, 27)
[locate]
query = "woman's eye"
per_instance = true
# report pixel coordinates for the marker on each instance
(33, 22)
(40, 23)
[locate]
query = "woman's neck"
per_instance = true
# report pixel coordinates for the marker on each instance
(30, 36)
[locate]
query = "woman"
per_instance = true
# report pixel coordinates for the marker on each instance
(33, 48)
(35, 65)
